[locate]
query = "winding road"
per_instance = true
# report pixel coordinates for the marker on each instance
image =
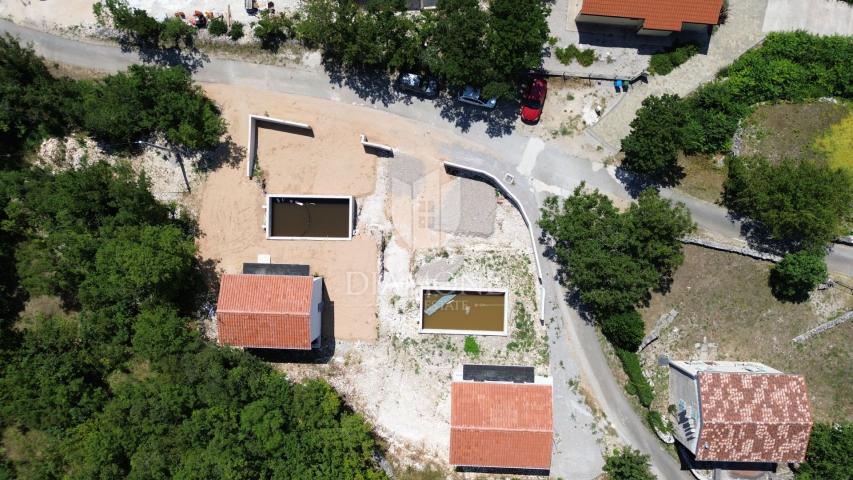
(540, 169)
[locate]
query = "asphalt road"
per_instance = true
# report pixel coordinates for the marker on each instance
(550, 170)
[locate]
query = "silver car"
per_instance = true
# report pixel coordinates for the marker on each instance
(418, 84)
(471, 95)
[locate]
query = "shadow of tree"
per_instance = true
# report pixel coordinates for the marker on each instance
(499, 121)
(226, 153)
(190, 58)
(369, 84)
(635, 183)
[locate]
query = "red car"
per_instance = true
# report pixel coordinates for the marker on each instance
(531, 106)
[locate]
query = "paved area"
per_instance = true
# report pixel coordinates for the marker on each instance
(741, 32)
(822, 17)
(621, 52)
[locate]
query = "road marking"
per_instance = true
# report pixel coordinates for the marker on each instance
(534, 147)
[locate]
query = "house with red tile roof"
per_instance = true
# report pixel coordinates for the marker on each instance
(270, 311)
(501, 425)
(739, 412)
(652, 17)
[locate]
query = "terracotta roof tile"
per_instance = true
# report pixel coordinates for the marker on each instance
(503, 425)
(753, 417)
(265, 311)
(658, 14)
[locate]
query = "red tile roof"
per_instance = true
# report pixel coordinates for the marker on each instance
(501, 425)
(265, 311)
(658, 14)
(753, 417)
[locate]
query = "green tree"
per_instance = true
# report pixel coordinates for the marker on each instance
(176, 33)
(624, 330)
(33, 104)
(517, 31)
(627, 464)
(801, 204)
(135, 22)
(656, 137)
(797, 275)
(828, 456)
(614, 259)
(455, 49)
(129, 106)
(51, 380)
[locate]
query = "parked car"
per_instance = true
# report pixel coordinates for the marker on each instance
(418, 84)
(534, 100)
(472, 96)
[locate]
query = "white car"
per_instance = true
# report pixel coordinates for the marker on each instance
(471, 95)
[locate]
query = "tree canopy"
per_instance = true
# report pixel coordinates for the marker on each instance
(829, 454)
(802, 204)
(459, 42)
(797, 274)
(119, 109)
(616, 259)
(119, 383)
(627, 464)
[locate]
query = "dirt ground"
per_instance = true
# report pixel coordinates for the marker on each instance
(416, 226)
(726, 312)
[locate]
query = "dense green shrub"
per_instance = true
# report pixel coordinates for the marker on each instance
(615, 259)
(176, 33)
(273, 29)
(797, 275)
(33, 104)
(471, 346)
(637, 383)
(217, 27)
(584, 57)
(459, 42)
(627, 464)
(236, 32)
(657, 422)
(128, 106)
(120, 384)
(624, 330)
(125, 387)
(802, 204)
(664, 62)
(828, 456)
(656, 137)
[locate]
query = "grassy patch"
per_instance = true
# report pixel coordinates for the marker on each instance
(703, 176)
(837, 143)
(472, 348)
(791, 129)
(584, 57)
(725, 299)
